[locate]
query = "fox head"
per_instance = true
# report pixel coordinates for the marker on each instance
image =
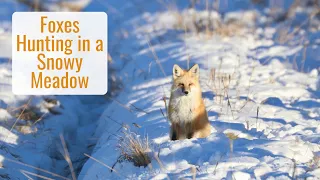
(186, 82)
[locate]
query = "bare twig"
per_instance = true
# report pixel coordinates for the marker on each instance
(39, 169)
(160, 164)
(127, 107)
(67, 157)
(228, 99)
(155, 57)
(18, 118)
(215, 168)
(294, 168)
(27, 173)
(165, 104)
(103, 164)
(257, 118)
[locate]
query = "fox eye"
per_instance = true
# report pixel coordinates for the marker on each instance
(190, 84)
(180, 84)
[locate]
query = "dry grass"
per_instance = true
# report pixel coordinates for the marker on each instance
(29, 175)
(289, 31)
(38, 169)
(233, 28)
(210, 24)
(131, 108)
(293, 31)
(103, 164)
(28, 114)
(134, 149)
(220, 83)
(231, 137)
(66, 156)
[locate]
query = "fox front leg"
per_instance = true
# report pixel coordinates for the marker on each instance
(174, 132)
(173, 135)
(190, 133)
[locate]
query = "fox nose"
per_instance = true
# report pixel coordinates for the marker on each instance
(186, 92)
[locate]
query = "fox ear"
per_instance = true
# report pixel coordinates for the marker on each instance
(194, 70)
(177, 71)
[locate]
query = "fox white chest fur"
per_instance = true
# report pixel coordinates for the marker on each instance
(183, 107)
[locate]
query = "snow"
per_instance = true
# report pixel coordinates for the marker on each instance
(238, 175)
(266, 147)
(273, 93)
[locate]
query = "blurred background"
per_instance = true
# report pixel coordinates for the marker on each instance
(296, 21)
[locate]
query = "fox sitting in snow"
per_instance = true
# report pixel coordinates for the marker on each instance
(187, 111)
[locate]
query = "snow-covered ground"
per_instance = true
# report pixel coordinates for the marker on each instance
(274, 108)
(260, 85)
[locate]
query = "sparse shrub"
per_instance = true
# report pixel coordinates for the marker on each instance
(229, 29)
(219, 83)
(28, 114)
(134, 149)
(25, 112)
(211, 22)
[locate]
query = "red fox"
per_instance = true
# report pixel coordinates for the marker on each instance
(187, 111)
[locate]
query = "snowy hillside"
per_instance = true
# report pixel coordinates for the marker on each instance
(259, 74)
(254, 88)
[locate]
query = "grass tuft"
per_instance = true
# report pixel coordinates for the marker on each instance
(134, 149)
